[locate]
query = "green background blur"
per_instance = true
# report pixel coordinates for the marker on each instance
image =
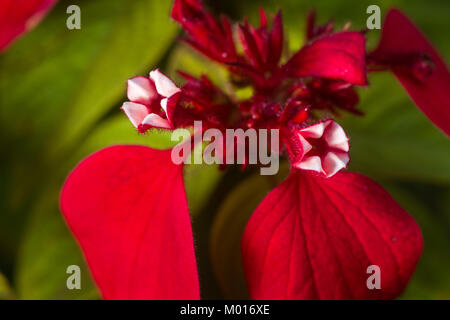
(60, 93)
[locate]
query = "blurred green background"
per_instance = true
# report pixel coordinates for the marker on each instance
(60, 93)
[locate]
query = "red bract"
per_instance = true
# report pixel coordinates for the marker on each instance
(127, 207)
(336, 56)
(19, 16)
(417, 65)
(312, 237)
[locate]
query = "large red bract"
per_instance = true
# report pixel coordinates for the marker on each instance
(127, 207)
(314, 238)
(427, 82)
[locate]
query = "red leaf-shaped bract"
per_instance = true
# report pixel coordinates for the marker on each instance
(432, 95)
(313, 238)
(126, 206)
(18, 16)
(339, 56)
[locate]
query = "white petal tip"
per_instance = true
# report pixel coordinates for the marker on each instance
(141, 90)
(310, 163)
(164, 85)
(154, 120)
(135, 112)
(315, 131)
(335, 137)
(334, 162)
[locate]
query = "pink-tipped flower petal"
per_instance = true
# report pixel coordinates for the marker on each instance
(312, 163)
(324, 148)
(141, 90)
(164, 85)
(333, 162)
(135, 112)
(306, 146)
(336, 137)
(315, 131)
(155, 121)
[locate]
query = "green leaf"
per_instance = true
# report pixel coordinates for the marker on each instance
(6, 292)
(56, 82)
(228, 227)
(186, 59)
(226, 235)
(119, 130)
(48, 248)
(444, 202)
(200, 181)
(138, 39)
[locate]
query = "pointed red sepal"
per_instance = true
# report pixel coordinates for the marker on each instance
(208, 35)
(251, 49)
(126, 206)
(314, 238)
(339, 56)
(276, 40)
(428, 84)
(19, 16)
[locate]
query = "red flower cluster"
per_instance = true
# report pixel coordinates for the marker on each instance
(314, 235)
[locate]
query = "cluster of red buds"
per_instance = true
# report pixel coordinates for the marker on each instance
(304, 89)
